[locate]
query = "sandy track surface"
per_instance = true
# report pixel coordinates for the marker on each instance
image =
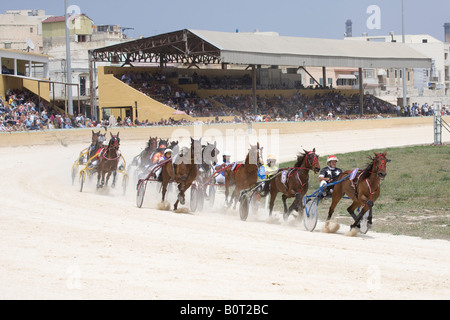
(58, 243)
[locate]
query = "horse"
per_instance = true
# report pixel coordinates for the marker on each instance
(185, 171)
(244, 175)
(364, 190)
(144, 158)
(294, 182)
(96, 144)
(209, 160)
(108, 160)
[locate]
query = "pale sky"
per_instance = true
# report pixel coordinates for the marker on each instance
(316, 19)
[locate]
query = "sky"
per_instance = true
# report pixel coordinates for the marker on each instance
(298, 18)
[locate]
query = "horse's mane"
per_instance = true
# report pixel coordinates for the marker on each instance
(369, 168)
(300, 158)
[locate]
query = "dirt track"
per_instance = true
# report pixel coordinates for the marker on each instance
(58, 243)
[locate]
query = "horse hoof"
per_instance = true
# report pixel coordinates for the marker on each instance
(353, 232)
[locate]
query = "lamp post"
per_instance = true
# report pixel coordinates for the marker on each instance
(404, 69)
(68, 65)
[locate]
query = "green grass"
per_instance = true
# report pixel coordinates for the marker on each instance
(415, 196)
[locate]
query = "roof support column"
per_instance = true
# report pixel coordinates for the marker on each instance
(255, 105)
(324, 76)
(361, 92)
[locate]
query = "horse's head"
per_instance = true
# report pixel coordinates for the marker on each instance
(210, 153)
(196, 151)
(173, 144)
(101, 138)
(114, 142)
(255, 155)
(312, 160)
(152, 143)
(163, 144)
(95, 136)
(379, 162)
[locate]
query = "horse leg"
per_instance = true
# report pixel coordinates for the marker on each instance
(234, 197)
(273, 196)
(284, 197)
(102, 183)
(108, 175)
(164, 190)
(351, 209)
(114, 179)
(296, 203)
(336, 197)
(358, 218)
(227, 191)
(99, 174)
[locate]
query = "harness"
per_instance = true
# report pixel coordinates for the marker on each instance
(382, 165)
(296, 172)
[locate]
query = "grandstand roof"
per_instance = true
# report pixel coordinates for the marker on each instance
(200, 46)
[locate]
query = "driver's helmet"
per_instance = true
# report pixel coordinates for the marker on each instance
(271, 160)
(332, 158)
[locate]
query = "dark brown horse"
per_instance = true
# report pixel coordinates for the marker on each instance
(96, 144)
(144, 158)
(364, 190)
(108, 160)
(244, 174)
(294, 182)
(184, 172)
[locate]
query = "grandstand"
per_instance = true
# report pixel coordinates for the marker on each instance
(206, 66)
(24, 70)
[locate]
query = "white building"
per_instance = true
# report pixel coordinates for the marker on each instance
(428, 85)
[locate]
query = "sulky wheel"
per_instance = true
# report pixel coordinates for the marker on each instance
(200, 199)
(82, 180)
(244, 206)
(140, 193)
(124, 183)
(194, 198)
(310, 213)
(74, 173)
(212, 195)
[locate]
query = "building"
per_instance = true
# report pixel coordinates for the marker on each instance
(423, 85)
(22, 30)
(83, 36)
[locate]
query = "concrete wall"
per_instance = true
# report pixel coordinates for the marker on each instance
(72, 136)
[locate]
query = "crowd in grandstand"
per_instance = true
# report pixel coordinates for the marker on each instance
(19, 110)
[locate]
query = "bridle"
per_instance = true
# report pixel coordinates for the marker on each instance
(379, 164)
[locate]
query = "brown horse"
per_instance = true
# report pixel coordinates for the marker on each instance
(364, 190)
(294, 182)
(244, 174)
(184, 172)
(108, 160)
